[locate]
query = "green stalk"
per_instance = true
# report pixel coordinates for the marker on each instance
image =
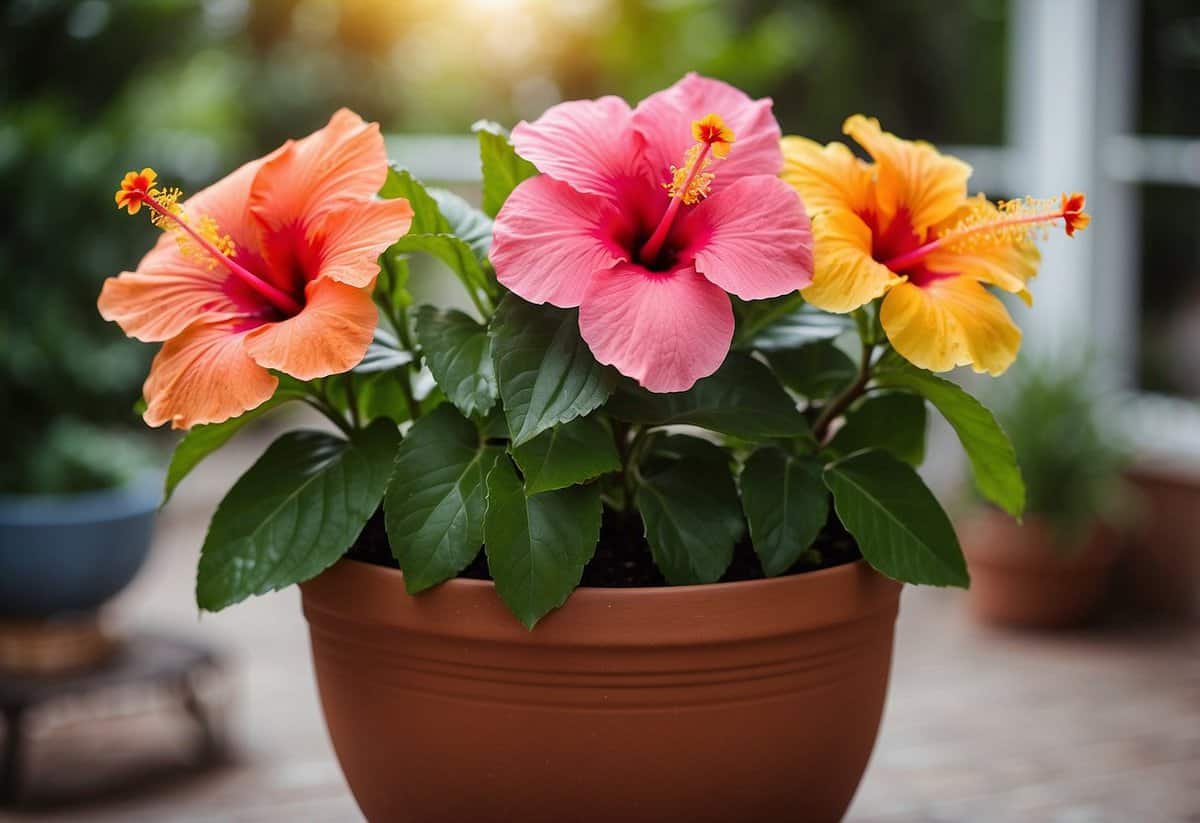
(835, 407)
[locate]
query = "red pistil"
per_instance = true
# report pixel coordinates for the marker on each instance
(653, 246)
(137, 189)
(690, 182)
(1070, 211)
(279, 299)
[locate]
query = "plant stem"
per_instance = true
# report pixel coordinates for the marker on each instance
(352, 401)
(330, 412)
(414, 408)
(629, 451)
(398, 315)
(399, 318)
(835, 407)
(484, 310)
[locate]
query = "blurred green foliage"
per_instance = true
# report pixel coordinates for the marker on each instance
(1069, 453)
(92, 88)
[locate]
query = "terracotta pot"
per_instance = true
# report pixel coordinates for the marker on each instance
(752, 701)
(1021, 577)
(1161, 569)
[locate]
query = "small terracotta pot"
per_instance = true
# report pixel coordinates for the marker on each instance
(751, 701)
(1161, 569)
(1020, 576)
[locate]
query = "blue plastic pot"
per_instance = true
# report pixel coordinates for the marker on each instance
(66, 554)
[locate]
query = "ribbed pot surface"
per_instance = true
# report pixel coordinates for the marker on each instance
(751, 701)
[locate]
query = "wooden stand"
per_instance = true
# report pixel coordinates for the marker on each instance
(140, 661)
(53, 647)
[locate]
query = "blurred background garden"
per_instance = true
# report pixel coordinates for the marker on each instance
(1103, 95)
(92, 88)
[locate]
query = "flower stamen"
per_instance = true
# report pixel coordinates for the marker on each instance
(691, 182)
(1013, 222)
(201, 241)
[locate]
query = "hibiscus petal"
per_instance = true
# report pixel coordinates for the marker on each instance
(911, 174)
(345, 162)
(548, 239)
(752, 238)
(204, 376)
(330, 335)
(350, 240)
(845, 275)
(227, 201)
(665, 330)
(950, 322)
(157, 306)
(827, 177)
(588, 144)
(665, 118)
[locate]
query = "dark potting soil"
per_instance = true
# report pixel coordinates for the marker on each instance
(623, 560)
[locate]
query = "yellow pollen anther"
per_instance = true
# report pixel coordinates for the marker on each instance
(168, 199)
(689, 184)
(692, 182)
(1010, 223)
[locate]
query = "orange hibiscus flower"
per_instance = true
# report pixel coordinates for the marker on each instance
(270, 268)
(903, 228)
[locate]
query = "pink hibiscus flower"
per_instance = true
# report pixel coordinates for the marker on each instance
(648, 218)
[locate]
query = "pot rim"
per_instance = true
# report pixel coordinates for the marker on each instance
(649, 616)
(472, 582)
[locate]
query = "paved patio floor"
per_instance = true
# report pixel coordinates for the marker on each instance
(1100, 726)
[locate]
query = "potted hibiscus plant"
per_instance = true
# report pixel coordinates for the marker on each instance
(678, 433)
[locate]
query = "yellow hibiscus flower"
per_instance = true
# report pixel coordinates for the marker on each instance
(903, 228)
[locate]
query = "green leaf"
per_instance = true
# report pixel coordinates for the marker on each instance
(427, 217)
(203, 440)
(459, 353)
(570, 453)
(784, 323)
(786, 505)
(537, 546)
(431, 232)
(377, 393)
(382, 395)
(503, 168)
(384, 354)
(815, 370)
(465, 221)
(667, 449)
(752, 316)
(894, 422)
(391, 289)
(900, 527)
(294, 513)
(452, 251)
(743, 398)
(993, 460)
(435, 504)
(693, 519)
(547, 374)
(494, 426)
